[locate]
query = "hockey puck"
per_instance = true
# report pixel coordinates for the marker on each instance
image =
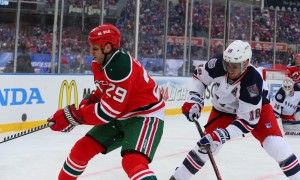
(24, 117)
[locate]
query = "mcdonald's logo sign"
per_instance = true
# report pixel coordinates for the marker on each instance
(67, 92)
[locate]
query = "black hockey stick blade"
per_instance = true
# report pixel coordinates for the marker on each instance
(211, 157)
(23, 133)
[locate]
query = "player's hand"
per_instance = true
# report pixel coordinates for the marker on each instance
(213, 140)
(287, 118)
(192, 108)
(87, 100)
(65, 119)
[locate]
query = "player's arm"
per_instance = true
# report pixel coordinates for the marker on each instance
(277, 102)
(112, 102)
(99, 113)
(95, 95)
(245, 122)
(250, 100)
(203, 76)
(91, 98)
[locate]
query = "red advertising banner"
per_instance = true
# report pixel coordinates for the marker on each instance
(267, 46)
(176, 40)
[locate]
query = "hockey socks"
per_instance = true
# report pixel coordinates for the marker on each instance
(70, 170)
(84, 150)
(190, 166)
(136, 167)
(291, 167)
(280, 150)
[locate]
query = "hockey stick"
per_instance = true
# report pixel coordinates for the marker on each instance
(212, 159)
(23, 133)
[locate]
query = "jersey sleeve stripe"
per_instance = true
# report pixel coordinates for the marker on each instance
(158, 106)
(196, 77)
(102, 115)
(243, 125)
(110, 109)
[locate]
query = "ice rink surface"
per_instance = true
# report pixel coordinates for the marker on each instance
(40, 156)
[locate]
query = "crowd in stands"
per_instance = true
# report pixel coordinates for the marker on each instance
(38, 39)
(50, 3)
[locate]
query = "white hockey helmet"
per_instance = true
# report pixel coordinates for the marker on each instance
(287, 85)
(238, 52)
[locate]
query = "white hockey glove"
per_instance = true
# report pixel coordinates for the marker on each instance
(192, 108)
(214, 140)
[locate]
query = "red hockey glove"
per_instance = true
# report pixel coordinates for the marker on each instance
(192, 108)
(214, 140)
(65, 119)
(287, 118)
(87, 100)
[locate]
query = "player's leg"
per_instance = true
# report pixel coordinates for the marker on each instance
(196, 159)
(89, 146)
(83, 150)
(268, 133)
(141, 139)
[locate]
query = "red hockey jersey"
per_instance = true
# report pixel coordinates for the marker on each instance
(126, 90)
(294, 73)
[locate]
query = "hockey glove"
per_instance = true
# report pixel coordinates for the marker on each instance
(65, 119)
(287, 118)
(87, 100)
(192, 108)
(213, 140)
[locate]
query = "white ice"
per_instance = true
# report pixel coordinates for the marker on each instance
(40, 156)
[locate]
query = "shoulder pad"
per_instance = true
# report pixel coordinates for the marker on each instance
(280, 95)
(119, 67)
(251, 86)
(215, 67)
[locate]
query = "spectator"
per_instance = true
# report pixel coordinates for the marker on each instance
(23, 65)
(77, 66)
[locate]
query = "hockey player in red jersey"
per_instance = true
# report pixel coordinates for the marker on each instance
(240, 106)
(126, 110)
(293, 71)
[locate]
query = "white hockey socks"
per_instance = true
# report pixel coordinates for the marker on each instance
(193, 162)
(280, 150)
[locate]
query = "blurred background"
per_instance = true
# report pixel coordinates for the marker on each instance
(168, 37)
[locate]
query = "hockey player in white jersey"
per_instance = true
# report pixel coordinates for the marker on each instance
(286, 105)
(286, 101)
(240, 106)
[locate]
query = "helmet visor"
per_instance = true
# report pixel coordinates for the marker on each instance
(232, 67)
(287, 88)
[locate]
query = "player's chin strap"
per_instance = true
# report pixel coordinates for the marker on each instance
(105, 56)
(211, 157)
(28, 131)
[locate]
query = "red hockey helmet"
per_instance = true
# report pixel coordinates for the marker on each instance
(104, 34)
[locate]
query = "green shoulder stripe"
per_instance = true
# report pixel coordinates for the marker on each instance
(119, 67)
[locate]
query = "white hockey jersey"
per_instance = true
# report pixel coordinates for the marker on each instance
(287, 104)
(243, 97)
